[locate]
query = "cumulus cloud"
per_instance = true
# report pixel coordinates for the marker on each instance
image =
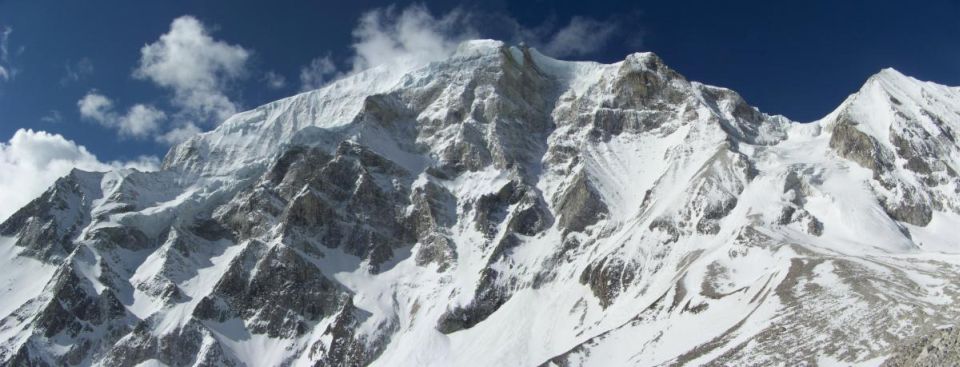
(97, 107)
(32, 160)
(196, 68)
(274, 80)
(317, 73)
(139, 121)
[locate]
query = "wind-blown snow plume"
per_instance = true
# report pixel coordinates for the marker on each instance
(582, 36)
(317, 73)
(407, 38)
(401, 40)
(274, 80)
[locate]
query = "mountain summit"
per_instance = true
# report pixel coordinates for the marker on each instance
(504, 208)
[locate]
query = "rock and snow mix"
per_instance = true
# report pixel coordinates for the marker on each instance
(504, 208)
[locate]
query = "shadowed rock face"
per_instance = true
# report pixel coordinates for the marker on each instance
(852, 144)
(280, 296)
(580, 205)
(504, 208)
(608, 278)
(195, 345)
(434, 212)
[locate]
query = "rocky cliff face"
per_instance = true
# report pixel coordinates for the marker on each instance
(504, 208)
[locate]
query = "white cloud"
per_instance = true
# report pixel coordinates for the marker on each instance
(196, 67)
(317, 73)
(411, 38)
(399, 40)
(274, 80)
(140, 120)
(179, 134)
(32, 160)
(97, 107)
(581, 37)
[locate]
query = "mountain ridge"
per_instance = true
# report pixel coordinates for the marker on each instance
(422, 218)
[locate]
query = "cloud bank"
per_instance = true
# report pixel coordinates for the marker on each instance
(32, 160)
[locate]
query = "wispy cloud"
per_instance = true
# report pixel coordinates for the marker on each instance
(7, 71)
(52, 116)
(274, 80)
(582, 36)
(317, 73)
(75, 71)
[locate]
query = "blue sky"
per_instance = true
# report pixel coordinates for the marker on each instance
(113, 83)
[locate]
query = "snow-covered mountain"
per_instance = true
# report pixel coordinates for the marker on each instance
(504, 208)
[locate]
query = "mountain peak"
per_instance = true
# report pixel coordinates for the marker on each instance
(889, 73)
(891, 81)
(500, 207)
